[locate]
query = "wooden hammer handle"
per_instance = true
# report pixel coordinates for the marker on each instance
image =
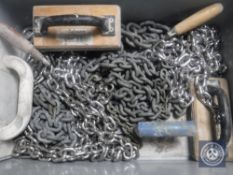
(198, 18)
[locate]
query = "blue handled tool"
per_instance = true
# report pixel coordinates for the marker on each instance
(166, 129)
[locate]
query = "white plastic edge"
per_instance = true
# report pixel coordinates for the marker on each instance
(25, 96)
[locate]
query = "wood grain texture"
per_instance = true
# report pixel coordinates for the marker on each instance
(198, 18)
(204, 123)
(91, 39)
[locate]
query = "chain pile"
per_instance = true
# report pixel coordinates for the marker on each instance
(67, 122)
(86, 107)
(154, 83)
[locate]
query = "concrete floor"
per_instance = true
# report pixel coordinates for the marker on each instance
(29, 167)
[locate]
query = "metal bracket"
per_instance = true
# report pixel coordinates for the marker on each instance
(111, 26)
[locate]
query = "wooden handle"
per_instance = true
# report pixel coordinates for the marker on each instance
(198, 18)
(17, 40)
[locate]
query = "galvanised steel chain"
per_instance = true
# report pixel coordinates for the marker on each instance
(86, 107)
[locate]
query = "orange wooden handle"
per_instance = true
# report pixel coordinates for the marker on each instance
(198, 18)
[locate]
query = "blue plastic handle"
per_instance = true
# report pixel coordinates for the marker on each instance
(166, 129)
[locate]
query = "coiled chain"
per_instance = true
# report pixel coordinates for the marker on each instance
(86, 105)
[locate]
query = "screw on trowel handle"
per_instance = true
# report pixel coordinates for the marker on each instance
(18, 41)
(196, 19)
